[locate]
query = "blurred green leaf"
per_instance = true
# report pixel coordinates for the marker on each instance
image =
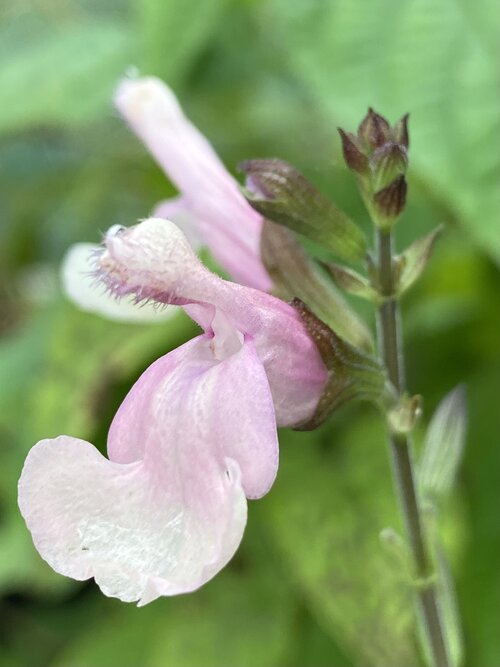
(325, 512)
(65, 73)
(444, 444)
(449, 610)
(413, 260)
(240, 620)
(173, 34)
(430, 60)
(479, 583)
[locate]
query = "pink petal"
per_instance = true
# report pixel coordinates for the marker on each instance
(168, 510)
(154, 260)
(244, 426)
(226, 222)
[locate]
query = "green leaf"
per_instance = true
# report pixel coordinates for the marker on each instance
(449, 609)
(352, 282)
(479, 583)
(66, 74)
(444, 445)
(295, 275)
(412, 262)
(446, 76)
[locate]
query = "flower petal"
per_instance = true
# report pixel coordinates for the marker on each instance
(227, 224)
(153, 260)
(168, 510)
(122, 525)
(236, 400)
(249, 432)
(83, 289)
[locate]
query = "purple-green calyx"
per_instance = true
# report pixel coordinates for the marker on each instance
(378, 154)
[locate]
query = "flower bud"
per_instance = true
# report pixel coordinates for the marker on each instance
(379, 156)
(387, 163)
(400, 131)
(404, 416)
(390, 202)
(282, 194)
(374, 130)
(353, 155)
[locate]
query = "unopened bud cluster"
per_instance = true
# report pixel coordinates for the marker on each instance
(378, 153)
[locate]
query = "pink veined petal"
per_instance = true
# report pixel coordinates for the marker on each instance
(234, 396)
(225, 221)
(250, 430)
(85, 292)
(168, 521)
(154, 260)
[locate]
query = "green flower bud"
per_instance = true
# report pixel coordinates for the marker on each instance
(404, 416)
(282, 194)
(387, 163)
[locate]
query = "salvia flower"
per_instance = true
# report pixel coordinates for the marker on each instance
(194, 438)
(210, 202)
(210, 209)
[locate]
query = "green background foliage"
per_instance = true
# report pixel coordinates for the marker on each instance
(311, 585)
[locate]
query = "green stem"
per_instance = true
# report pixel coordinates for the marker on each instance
(401, 455)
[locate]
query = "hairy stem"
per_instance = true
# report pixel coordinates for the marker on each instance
(389, 336)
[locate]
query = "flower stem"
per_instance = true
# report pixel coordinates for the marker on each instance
(401, 457)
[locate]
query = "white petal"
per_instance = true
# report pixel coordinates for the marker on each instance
(90, 517)
(83, 289)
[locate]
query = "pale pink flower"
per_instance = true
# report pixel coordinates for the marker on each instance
(211, 206)
(210, 209)
(193, 438)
